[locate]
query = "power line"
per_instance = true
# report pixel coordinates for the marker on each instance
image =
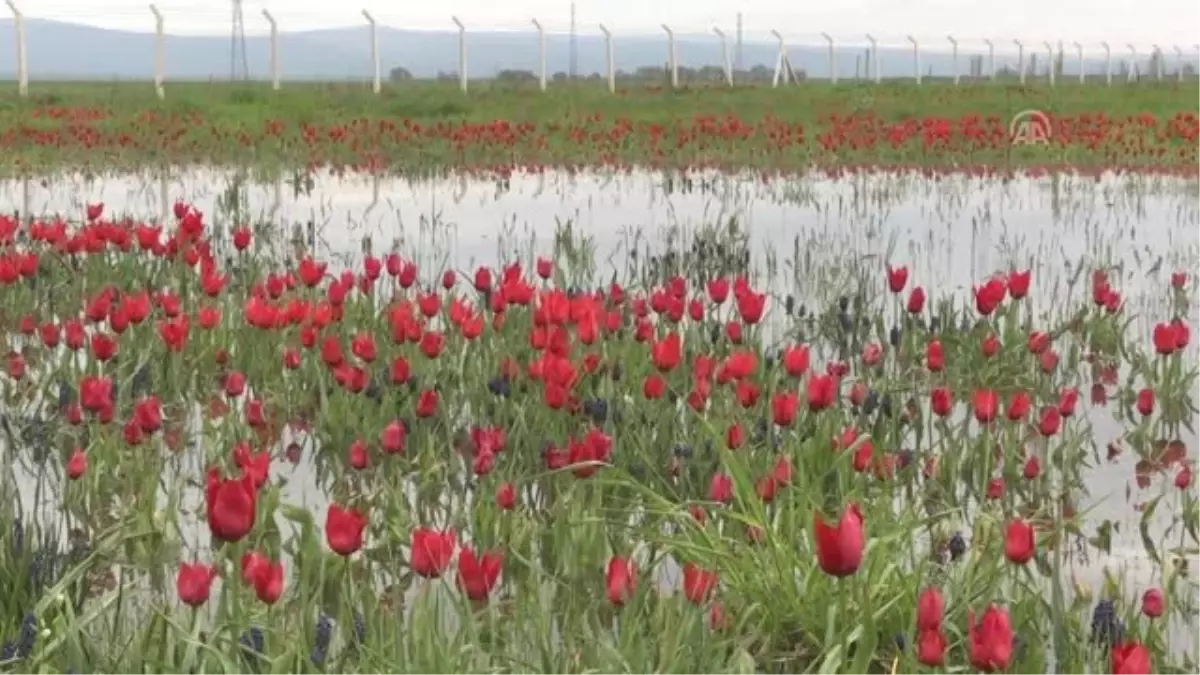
(237, 42)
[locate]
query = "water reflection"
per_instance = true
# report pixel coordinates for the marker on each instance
(953, 230)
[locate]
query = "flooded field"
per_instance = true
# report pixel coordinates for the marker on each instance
(822, 252)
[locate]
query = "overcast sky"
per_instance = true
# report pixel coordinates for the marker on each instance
(1143, 23)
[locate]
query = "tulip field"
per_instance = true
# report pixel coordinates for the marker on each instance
(663, 382)
(422, 126)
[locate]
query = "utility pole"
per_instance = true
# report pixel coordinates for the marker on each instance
(739, 41)
(574, 67)
(237, 42)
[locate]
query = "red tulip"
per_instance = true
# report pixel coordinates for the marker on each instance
(477, 575)
(990, 345)
(104, 347)
(985, 403)
(796, 360)
(1131, 658)
(432, 343)
(872, 354)
(362, 345)
(174, 332)
(840, 549)
(1164, 339)
(1018, 407)
(990, 643)
(95, 393)
(357, 455)
(822, 391)
(931, 606)
(1145, 401)
(392, 438)
(483, 280)
(1048, 360)
(783, 408)
(620, 580)
(1067, 399)
(698, 583)
(590, 453)
(941, 401)
(735, 436)
(344, 529)
(1050, 421)
(931, 647)
(1183, 334)
(235, 384)
(1153, 603)
(506, 497)
(1032, 468)
(916, 300)
(654, 387)
(720, 488)
(1018, 284)
(77, 465)
(427, 403)
(1039, 342)
(431, 551)
(256, 466)
(718, 290)
(935, 357)
(989, 296)
(231, 505)
(193, 583)
(897, 277)
(667, 352)
(718, 620)
(268, 581)
(241, 238)
(1019, 542)
(251, 562)
(750, 306)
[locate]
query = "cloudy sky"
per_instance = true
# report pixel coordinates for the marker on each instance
(1143, 23)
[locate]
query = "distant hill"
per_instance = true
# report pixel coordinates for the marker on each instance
(59, 50)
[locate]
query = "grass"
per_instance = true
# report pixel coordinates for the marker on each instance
(326, 103)
(61, 124)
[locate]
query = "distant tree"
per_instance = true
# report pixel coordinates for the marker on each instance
(399, 74)
(650, 73)
(515, 76)
(559, 76)
(761, 73)
(710, 74)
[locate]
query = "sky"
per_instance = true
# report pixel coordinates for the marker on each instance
(1143, 23)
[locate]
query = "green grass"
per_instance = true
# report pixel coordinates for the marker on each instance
(226, 103)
